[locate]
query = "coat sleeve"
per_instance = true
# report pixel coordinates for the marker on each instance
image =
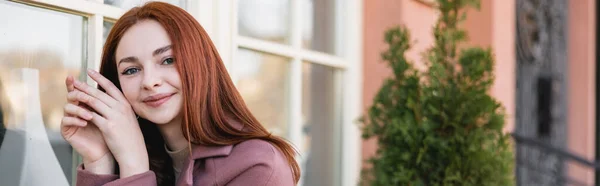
(87, 178)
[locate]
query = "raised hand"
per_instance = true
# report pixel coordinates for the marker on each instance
(86, 139)
(115, 118)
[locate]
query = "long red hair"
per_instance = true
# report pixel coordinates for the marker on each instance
(209, 97)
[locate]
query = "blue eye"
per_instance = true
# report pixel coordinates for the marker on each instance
(168, 61)
(130, 71)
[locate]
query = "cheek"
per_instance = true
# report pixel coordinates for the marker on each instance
(130, 96)
(174, 79)
(130, 90)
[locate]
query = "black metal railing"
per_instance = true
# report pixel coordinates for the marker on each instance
(540, 163)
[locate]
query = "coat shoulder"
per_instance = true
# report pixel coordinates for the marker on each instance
(253, 161)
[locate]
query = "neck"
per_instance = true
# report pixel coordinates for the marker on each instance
(172, 134)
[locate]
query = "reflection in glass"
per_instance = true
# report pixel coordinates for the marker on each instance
(51, 43)
(106, 26)
(319, 25)
(321, 126)
(264, 19)
(270, 20)
(262, 82)
(128, 4)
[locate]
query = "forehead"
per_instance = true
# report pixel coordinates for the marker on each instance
(142, 39)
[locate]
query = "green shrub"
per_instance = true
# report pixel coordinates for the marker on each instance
(438, 126)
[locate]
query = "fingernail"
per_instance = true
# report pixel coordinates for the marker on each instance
(90, 71)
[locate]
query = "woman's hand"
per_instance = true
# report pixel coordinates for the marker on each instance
(86, 139)
(116, 120)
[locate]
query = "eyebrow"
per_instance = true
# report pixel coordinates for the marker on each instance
(156, 52)
(161, 50)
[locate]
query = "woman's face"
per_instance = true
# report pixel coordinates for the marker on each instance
(147, 72)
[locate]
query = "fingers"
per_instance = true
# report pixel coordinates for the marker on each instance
(96, 93)
(92, 102)
(79, 116)
(69, 82)
(70, 87)
(110, 88)
(99, 121)
(77, 111)
(69, 121)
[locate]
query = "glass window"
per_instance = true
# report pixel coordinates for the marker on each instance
(271, 20)
(106, 26)
(128, 4)
(263, 84)
(48, 44)
(321, 133)
(264, 19)
(319, 25)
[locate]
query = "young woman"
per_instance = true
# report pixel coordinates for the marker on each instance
(167, 113)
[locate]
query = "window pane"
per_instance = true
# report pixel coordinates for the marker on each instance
(128, 4)
(321, 130)
(106, 30)
(319, 25)
(51, 45)
(262, 81)
(264, 19)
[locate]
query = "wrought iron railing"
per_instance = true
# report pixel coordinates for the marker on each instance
(540, 163)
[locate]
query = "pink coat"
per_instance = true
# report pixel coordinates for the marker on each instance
(253, 162)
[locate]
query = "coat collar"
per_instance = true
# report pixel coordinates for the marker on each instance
(204, 151)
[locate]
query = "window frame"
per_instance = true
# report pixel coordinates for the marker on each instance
(349, 62)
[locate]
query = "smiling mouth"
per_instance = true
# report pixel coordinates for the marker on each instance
(158, 100)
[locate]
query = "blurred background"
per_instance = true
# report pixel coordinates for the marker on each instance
(308, 69)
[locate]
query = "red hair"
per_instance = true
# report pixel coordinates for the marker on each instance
(209, 97)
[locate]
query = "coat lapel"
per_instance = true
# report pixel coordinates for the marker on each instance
(203, 152)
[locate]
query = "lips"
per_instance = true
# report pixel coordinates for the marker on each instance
(157, 99)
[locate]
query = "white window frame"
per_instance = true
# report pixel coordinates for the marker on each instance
(227, 40)
(211, 13)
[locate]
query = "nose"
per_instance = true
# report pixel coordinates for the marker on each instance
(151, 78)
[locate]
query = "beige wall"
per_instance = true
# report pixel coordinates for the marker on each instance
(494, 26)
(381, 15)
(581, 101)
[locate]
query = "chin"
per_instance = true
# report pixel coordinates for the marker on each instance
(159, 120)
(157, 116)
(163, 115)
